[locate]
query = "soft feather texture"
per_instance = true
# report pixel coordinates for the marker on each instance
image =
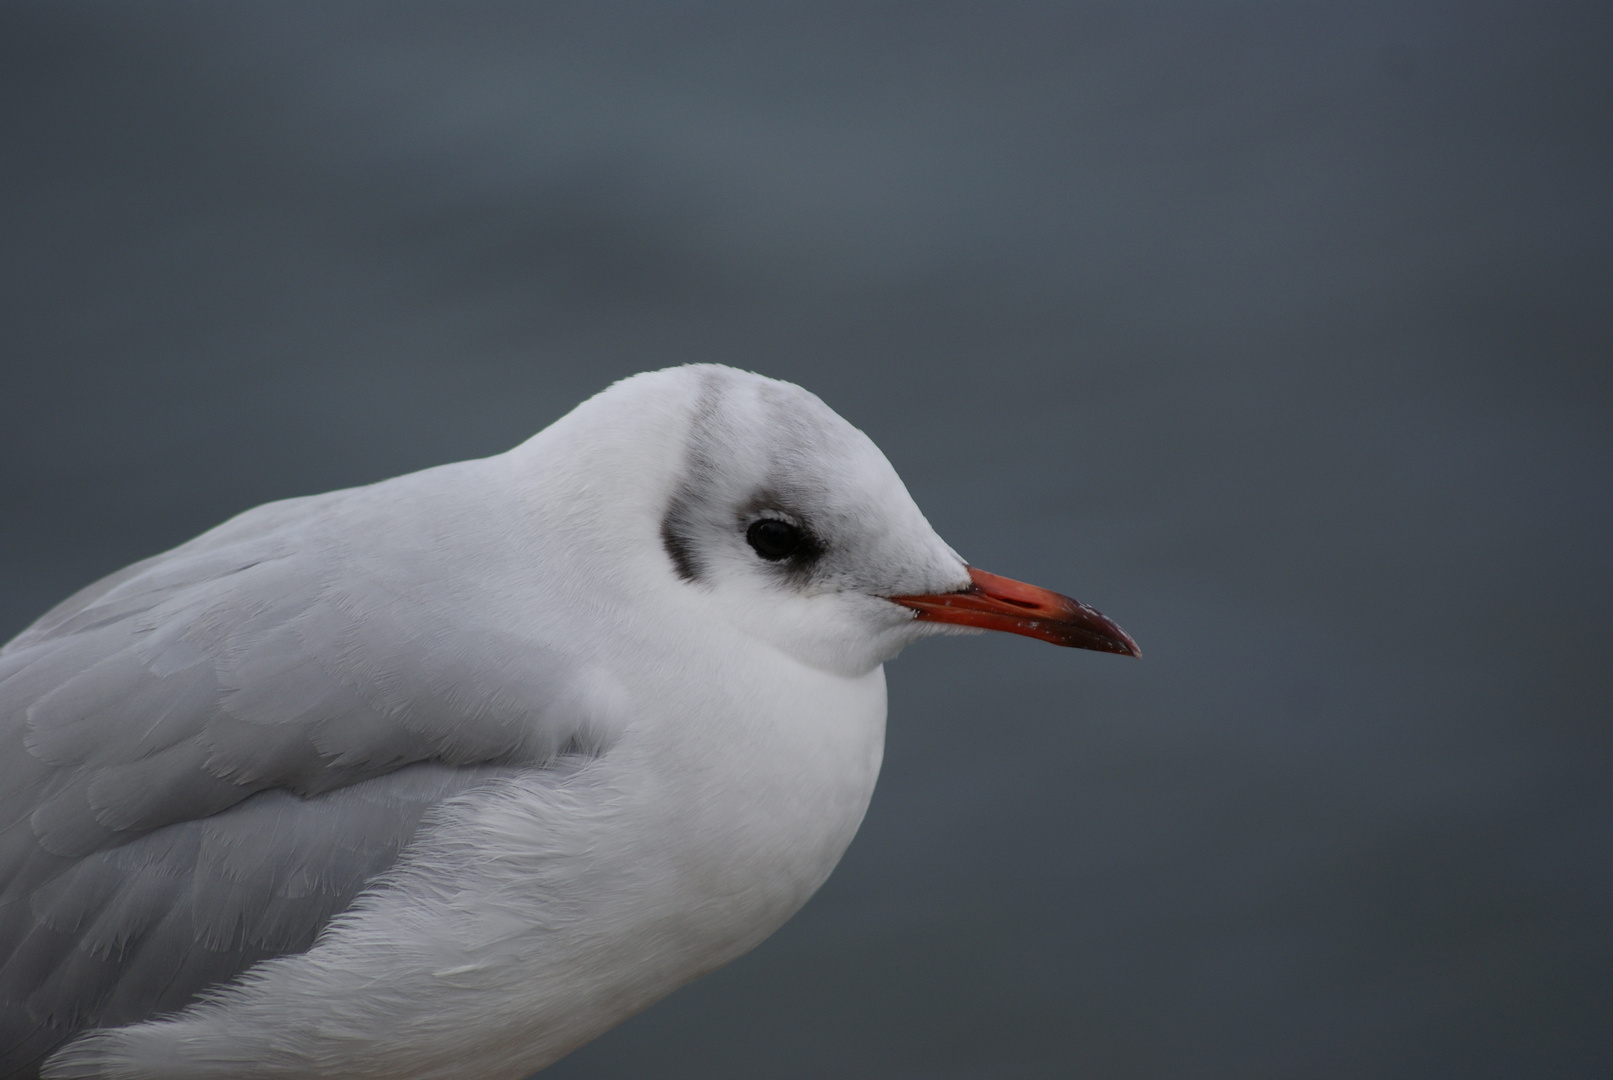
(160, 726)
(569, 777)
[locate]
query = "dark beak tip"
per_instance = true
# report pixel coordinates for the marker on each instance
(1119, 645)
(1128, 646)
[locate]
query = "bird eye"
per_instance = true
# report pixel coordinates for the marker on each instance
(773, 539)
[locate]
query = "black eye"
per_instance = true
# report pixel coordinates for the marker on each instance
(774, 539)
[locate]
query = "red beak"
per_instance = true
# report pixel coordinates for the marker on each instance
(999, 603)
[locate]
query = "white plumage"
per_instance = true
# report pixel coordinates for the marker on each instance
(444, 776)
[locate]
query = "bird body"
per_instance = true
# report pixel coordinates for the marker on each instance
(446, 775)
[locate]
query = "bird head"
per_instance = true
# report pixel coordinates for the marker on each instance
(753, 500)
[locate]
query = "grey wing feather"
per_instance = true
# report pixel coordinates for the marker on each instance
(139, 929)
(206, 756)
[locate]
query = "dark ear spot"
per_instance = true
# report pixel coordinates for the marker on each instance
(677, 538)
(677, 524)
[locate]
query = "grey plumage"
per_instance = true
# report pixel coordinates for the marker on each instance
(456, 771)
(206, 756)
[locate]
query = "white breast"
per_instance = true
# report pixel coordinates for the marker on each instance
(541, 911)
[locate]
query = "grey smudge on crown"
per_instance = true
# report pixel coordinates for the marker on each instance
(677, 524)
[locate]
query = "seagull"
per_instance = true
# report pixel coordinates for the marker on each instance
(444, 776)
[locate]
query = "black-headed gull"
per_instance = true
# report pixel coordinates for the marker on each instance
(444, 776)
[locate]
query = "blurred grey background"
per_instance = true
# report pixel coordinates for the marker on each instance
(1281, 332)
